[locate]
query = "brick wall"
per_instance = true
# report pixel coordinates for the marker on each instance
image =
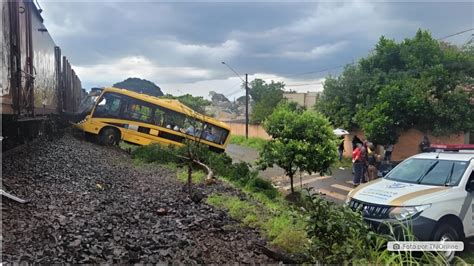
(254, 130)
(407, 143)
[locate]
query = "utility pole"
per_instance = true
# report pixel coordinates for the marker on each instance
(246, 98)
(246, 106)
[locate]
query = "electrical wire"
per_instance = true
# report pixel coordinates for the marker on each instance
(352, 63)
(454, 34)
(305, 84)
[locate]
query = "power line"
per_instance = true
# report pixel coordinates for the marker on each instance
(352, 63)
(234, 92)
(304, 84)
(319, 71)
(454, 34)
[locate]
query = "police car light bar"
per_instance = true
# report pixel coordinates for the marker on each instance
(452, 147)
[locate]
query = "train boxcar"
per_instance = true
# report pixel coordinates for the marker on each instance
(37, 84)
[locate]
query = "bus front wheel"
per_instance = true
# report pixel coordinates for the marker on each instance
(109, 137)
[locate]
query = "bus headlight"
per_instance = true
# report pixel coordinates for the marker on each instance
(405, 213)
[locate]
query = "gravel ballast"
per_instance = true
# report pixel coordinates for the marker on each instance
(91, 204)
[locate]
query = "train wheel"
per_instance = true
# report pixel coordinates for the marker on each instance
(109, 137)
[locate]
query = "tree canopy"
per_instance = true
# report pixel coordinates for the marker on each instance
(416, 83)
(302, 140)
(197, 103)
(266, 97)
(140, 86)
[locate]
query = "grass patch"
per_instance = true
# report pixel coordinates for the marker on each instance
(345, 163)
(284, 230)
(251, 142)
(128, 146)
(182, 174)
(467, 256)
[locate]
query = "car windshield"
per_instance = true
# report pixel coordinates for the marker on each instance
(429, 172)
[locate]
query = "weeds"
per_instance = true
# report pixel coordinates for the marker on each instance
(198, 177)
(285, 231)
(251, 142)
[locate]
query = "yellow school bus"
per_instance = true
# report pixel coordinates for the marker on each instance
(141, 119)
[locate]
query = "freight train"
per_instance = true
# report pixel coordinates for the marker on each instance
(38, 86)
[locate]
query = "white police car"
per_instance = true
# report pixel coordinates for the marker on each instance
(430, 192)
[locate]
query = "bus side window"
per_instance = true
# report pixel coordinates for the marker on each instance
(138, 111)
(159, 118)
(174, 120)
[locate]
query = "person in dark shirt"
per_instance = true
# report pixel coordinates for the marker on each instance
(358, 165)
(355, 141)
(425, 144)
(340, 149)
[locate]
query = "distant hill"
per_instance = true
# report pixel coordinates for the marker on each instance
(140, 85)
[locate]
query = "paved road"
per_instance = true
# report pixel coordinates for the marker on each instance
(335, 186)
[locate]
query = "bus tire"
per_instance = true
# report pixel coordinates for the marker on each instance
(109, 137)
(446, 232)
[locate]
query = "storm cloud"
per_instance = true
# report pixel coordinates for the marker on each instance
(180, 46)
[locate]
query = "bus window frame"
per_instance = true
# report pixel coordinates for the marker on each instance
(118, 95)
(130, 100)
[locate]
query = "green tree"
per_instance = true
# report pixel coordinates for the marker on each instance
(302, 140)
(197, 103)
(266, 97)
(417, 83)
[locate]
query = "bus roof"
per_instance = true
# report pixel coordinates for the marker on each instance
(172, 104)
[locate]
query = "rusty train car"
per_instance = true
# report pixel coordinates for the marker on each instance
(37, 84)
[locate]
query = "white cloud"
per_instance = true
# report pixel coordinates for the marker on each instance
(231, 87)
(354, 19)
(316, 52)
(226, 49)
(137, 66)
(198, 53)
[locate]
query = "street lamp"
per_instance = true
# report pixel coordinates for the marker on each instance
(246, 98)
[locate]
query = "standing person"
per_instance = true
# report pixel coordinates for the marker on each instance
(388, 152)
(371, 162)
(363, 155)
(425, 144)
(357, 165)
(355, 141)
(341, 149)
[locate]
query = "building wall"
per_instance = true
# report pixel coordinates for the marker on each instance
(254, 130)
(307, 99)
(295, 97)
(407, 144)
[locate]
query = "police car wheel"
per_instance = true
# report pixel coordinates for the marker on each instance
(446, 233)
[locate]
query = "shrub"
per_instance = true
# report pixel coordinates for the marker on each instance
(257, 184)
(337, 233)
(156, 153)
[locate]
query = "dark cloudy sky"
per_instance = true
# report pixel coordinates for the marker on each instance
(180, 45)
